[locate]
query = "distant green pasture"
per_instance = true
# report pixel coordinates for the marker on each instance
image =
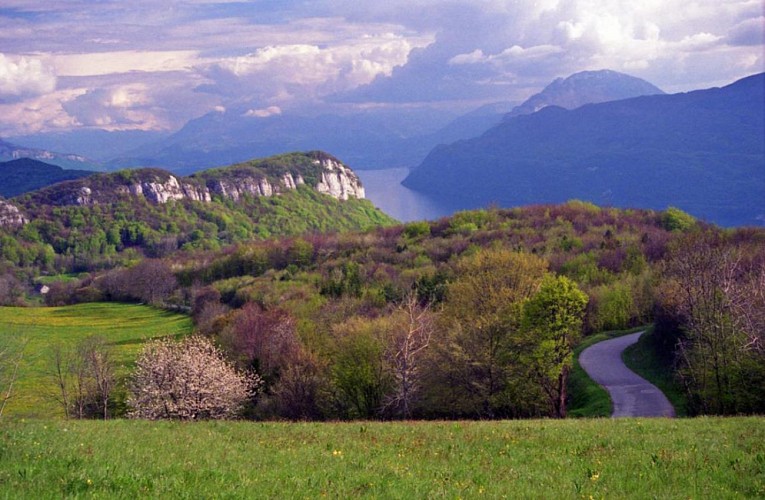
(40, 329)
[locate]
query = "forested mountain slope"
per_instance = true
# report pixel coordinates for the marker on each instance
(701, 151)
(106, 217)
(25, 174)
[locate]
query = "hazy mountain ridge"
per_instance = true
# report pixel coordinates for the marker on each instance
(586, 87)
(25, 174)
(98, 145)
(366, 139)
(701, 151)
(9, 151)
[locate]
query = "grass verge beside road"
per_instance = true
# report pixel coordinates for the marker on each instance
(642, 359)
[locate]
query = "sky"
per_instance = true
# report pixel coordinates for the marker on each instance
(153, 65)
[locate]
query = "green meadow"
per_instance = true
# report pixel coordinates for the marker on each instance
(576, 458)
(581, 458)
(40, 329)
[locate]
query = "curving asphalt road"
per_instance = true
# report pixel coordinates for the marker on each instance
(632, 395)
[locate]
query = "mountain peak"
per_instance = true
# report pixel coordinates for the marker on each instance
(586, 87)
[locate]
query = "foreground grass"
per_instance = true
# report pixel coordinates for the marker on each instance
(40, 329)
(601, 458)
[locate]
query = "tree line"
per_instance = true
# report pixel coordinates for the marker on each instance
(472, 316)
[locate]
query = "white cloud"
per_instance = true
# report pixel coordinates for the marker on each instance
(38, 114)
(477, 56)
(25, 76)
(283, 72)
(264, 113)
(157, 64)
(112, 108)
(106, 63)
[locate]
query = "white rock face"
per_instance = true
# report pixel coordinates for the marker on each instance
(162, 192)
(236, 189)
(10, 215)
(84, 196)
(339, 181)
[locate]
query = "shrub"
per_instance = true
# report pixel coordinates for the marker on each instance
(674, 219)
(188, 380)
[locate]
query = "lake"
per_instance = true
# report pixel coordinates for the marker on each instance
(384, 189)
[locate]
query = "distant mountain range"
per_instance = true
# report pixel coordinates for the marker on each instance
(9, 151)
(701, 151)
(97, 145)
(377, 138)
(373, 137)
(25, 174)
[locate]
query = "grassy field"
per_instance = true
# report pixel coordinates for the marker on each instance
(125, 326)
(583, 458)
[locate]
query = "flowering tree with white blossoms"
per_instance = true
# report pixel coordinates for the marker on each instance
(187, 380)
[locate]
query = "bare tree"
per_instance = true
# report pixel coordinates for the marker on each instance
(10, 359)
(747, 297)
(60, 374)
(84, 378)
(408, 343)
(99, 372)
(187, 380)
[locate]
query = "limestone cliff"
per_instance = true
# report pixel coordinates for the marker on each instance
(338, 180)
(266, 177)
(10, 215)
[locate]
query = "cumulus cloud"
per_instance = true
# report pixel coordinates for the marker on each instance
(297, 71)
(497, 49)
(37, 114)
(24, 77)
(112, 108)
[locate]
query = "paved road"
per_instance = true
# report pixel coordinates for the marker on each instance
(632, 395)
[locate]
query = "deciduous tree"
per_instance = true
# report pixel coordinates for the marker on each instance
(187, 380)
(482, 315)
(552, 321)
(407, 343)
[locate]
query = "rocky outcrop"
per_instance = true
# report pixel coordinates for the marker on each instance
(338, 181)
(161, 191)
(328, 176)
(10, 215)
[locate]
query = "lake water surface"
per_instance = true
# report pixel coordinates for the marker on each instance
(384, 189)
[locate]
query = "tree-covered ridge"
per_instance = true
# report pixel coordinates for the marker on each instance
(109, 219)
(306, 165)
(75, 238)
(25, 174)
